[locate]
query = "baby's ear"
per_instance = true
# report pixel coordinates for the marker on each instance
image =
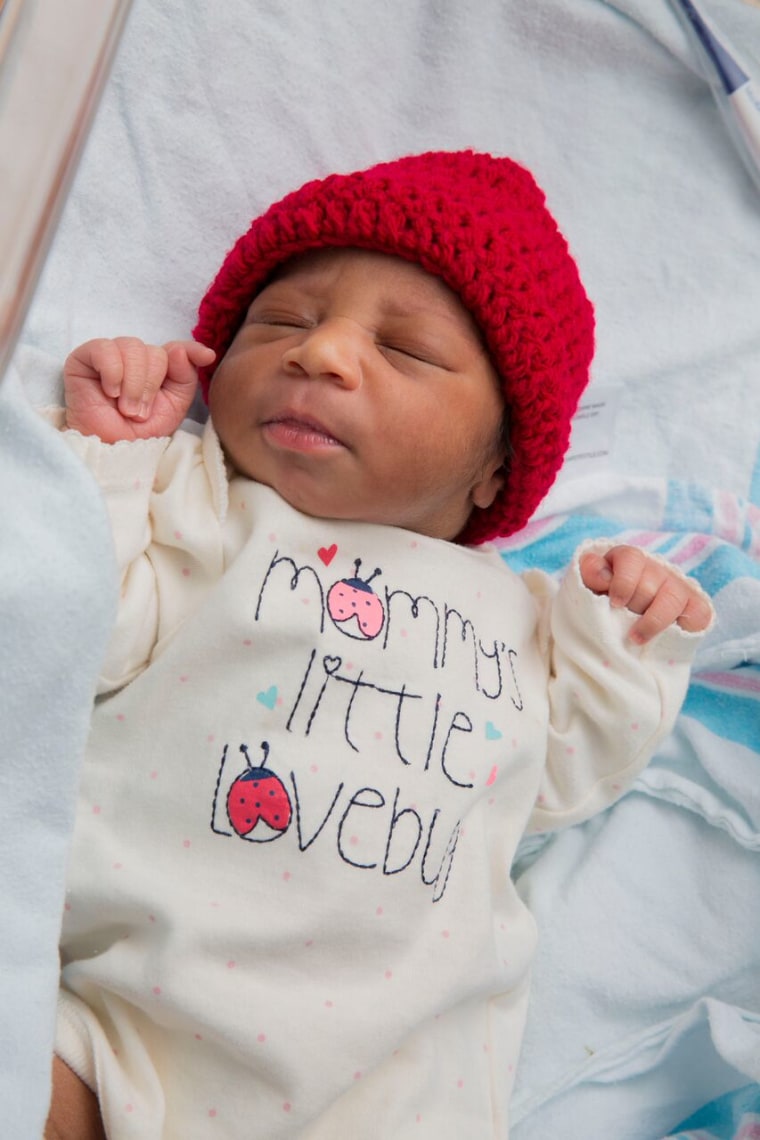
(489, 486)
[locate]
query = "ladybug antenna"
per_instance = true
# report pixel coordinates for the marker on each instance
(244, 750)
(366, 581)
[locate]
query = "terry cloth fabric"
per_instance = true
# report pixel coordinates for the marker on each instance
(57, 602)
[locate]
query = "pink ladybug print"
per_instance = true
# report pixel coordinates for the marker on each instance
(258, 802)
(355, 607)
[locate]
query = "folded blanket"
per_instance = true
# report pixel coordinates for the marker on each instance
(736, 1114)
(56, 605)
(649, 944)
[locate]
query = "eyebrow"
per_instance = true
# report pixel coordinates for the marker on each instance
(392, 307)
(447, 309)
(452, 314)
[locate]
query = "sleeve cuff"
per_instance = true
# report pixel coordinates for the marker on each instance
(673, 643)
(111, 463)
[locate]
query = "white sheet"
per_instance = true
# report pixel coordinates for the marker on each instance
(216, 109)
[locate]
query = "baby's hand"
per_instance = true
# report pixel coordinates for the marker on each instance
(648, 587)
(125, 389)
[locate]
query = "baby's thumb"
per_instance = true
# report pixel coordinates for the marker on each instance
(184, 358)
(199, 354)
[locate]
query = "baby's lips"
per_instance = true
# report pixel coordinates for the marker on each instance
(303, 425)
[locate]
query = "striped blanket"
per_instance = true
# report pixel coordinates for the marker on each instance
(647, 987)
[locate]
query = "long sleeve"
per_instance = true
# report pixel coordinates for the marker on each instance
(166, 499)
(611, 701)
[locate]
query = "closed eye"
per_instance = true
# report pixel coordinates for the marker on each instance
(280, 320)
(414, 352)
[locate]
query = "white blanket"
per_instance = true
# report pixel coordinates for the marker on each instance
(56, 605)
(646, 996)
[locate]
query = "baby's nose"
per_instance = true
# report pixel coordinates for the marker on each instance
(333, 350)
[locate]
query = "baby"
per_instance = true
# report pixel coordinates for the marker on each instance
(330, 710)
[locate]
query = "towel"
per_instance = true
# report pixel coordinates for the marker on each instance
(56, 609)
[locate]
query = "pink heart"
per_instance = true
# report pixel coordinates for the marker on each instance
(327, 553)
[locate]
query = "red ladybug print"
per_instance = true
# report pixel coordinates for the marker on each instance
(355, 607)
(258, 802)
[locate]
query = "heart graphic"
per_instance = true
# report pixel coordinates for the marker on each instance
(492, 732)
(268, 698)
(327, 553)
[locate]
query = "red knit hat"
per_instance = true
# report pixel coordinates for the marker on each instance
(479, 223)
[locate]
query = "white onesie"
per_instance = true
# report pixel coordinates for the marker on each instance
(290, 911)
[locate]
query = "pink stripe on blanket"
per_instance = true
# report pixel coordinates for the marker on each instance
(739, 682)
(730, 523)
(644, 538)
(692, 549)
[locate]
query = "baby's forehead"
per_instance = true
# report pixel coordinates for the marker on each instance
(344, 258)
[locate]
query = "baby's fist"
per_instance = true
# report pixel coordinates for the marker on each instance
(646, 586)
(126, 389)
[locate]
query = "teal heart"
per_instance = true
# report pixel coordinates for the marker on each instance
(492, 732)
(269, 698)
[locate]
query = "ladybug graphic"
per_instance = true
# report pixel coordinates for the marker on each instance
(258, 802)
(355, 607)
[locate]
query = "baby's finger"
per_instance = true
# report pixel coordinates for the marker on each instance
(667, 606)
(144, 373)
(596, 574)
(184, 358)
(107, 362)
(200, 354)
(654, 577)
(697, 614)
(627, 564)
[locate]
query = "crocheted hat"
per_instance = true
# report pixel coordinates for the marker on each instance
(481, 224)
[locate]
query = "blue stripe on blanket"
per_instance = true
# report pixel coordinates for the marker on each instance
(728, 704)
(692, 507)
(668, 543)
(735, 1116)
(722, 565)
(689, 506)
(554, 546)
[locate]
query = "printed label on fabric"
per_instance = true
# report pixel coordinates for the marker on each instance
(593, 432)
(425, 706)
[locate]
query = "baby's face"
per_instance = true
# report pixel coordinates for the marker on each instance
(358, 388)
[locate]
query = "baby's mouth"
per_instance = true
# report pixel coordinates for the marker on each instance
(299, 433)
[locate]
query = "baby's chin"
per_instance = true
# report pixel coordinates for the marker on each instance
(310, 498)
